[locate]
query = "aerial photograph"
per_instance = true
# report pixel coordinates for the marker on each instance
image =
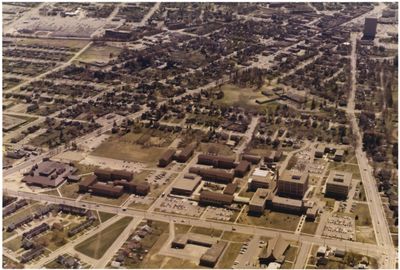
(186, 135)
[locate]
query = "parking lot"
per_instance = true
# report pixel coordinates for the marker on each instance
(341, 227)
(218, 213)
(180, 206)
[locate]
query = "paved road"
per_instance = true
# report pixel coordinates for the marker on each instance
(69, 247)
(362, 248)
(380, 225)
(121, 239)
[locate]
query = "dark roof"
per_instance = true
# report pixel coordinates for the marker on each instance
(217, 197)
(167, 155)
(230, 188)
(88, 180)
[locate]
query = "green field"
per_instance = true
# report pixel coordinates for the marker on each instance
(309, 227)
(234, 236)
(230, 254)
(271, 219)
(98, 244)
(145, 148)
(97, 53)
(207, 231)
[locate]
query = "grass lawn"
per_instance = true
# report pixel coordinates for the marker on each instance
(140, 206)
(362, 215)
(207, 231)
(99, 53)
(309, 227)
(53, 192)
(229, 256)
(238, 96)
(84, 168)
(287, 265)
(291, 254)
(182, 228)
(234, 236)
(105, 200)
(176, 263)
(271, 219)
(14, 244)
(98, 244)
(130, 152)
(105, 216)
(69, 190)
(7, 235)
(216, 148)
(354, 169)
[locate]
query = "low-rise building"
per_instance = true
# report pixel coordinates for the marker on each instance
(48, 174)
(212, 255)
(216, 161)
(274, 251)
(259, 200)
(338, 184)
(261, 179)
(242, 168)
(166, 158)
(215, 175)
(209, 197)
(287, 205)
(185, 186)
(339, 155)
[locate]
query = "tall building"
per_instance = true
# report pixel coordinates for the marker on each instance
(370, 28)
(292, 184)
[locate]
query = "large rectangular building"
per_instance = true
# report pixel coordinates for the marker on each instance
(217, 161)
(209, 197)
(287, 205)
(292, 184)
(338, 184)
(370, 26)
(185, 186)
(259, 200)
(215, 175)
(261, 179)
(48, 174)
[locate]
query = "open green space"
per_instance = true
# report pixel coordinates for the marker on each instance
(291, 253)
(13, 244)
(277, 220)
(105, 216)
(238, 96)
(207, 231)
(340, 166)
(146, 147)
(105, 200)
(234, 236)
(98, 244)
(69, 190)
(309, 227)
(98, 53)
(229, 256)
(362, 215)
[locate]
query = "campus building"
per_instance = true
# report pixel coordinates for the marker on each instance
(293, 184)
(338, 184)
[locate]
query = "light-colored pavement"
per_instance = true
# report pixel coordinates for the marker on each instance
(362, 248)
(380, 225)
(70, 245)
